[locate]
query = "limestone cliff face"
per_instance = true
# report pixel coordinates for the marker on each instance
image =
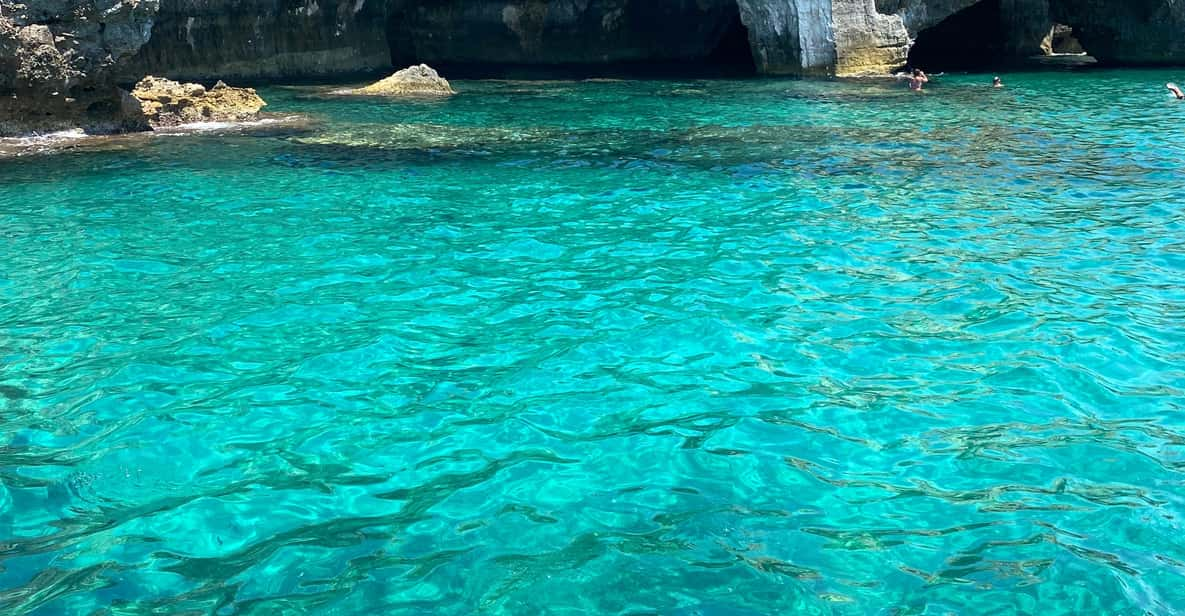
(791, 37)
(557, 32)
(57, 59)
(875, 36)
(868, 40)
(263, 40)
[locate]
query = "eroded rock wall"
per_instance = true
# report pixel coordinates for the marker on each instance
(556, 32)
(57, 61)
(262, 40)
(1025, 24)
(1126, 32)
(790, 37)
(875, 36)
(868, 40)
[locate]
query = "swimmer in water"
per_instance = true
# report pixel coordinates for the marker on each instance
(917, 80)
(996, 83)
(1175, 90)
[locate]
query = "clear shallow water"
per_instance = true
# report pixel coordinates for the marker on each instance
(678, 347)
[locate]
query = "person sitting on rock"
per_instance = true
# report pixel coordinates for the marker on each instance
(1175, 90)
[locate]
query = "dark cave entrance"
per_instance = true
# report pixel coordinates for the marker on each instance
(733, 54)
(971, 39)
(674, 39)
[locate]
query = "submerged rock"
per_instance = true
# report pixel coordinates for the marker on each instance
(168, 103)
(418, 80)
(429, 137)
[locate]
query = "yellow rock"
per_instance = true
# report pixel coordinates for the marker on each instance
(168, 103)
(419, 80)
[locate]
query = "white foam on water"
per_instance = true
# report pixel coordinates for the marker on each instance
(44, 139)
(27, 144)
(205, 127)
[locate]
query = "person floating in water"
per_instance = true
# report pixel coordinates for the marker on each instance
(1175, 90)
(996, 83)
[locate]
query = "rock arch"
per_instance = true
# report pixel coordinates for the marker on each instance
(1126, 32)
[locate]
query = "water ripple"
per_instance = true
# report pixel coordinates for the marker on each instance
(605, 347)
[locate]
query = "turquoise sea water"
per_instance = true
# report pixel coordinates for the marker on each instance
(696, 347)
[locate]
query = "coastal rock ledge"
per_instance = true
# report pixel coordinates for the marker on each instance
(416, 80)
(168, 103)
(63, 62)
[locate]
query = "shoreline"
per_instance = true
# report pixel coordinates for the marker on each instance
(58, 141)
(72, 139)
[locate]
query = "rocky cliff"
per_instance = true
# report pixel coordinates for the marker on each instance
(57, 59)
(791, 37)
(60, 60)
(559, 32)
(260, 40)
(1127, 32)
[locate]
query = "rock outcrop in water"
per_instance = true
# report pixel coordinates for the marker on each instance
(61, 60)
(420, 80)
(168, 103)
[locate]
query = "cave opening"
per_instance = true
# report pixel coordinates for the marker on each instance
(971, 39)
(733, 54)
(679, 38)
(1062, 42)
